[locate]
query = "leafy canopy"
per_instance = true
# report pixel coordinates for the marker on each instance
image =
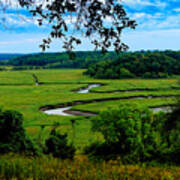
(132, 133)
(102, 21)
(12, 133)
(57, 145)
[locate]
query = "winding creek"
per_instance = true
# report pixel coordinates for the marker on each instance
(58, 111)
(87, 89)
(65, 110)
(165, 109)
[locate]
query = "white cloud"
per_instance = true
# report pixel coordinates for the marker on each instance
(13, 19)
(17, 20)
(177, 9)
(158, 21)
(141, 15)
(139, 3)
(9, 4)
(22, 41)
(156, 39)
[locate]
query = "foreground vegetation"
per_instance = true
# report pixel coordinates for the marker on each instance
(46, 168)
(137, 135)
(132, 136)
(69, 137)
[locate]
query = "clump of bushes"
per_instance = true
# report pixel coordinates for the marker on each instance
(135, 135)
(57, 145)
(131, 133)
(13, 138)
(172, 134)
(12, 134)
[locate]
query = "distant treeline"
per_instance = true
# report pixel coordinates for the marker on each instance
(59, 60)
(144, 64)
(6, 56)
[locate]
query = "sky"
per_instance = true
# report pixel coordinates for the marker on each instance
(158, 28)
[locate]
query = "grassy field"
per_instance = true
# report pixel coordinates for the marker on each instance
(18, 91)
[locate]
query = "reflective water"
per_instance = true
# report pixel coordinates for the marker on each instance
(62, 111)
(86, 90)
(58, 111)
(163, 109)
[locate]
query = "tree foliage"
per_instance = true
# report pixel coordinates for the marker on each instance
(145, 64)
(136, 135)
(14, 139)
(58, 60)
(100, 20)
(128, 132)
(57, 145)
(12, 133)
(172, 133)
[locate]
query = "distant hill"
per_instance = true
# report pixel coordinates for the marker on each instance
(6, 56)
(144, 64)
(141, 64)
(61, 60)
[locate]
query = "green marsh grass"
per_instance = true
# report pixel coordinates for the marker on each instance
(18, 91)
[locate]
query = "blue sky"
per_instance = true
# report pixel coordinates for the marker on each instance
(158, 28)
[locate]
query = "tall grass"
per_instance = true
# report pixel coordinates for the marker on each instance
(47, 168)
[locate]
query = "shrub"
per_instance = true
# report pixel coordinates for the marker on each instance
(147, 75)
(129, 132)
(172, 134)
(12, 134)
(57, 145)
(163, 75)
(125, 73)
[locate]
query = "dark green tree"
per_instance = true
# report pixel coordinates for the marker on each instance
(57, 145)
(12, 133)
(129, 132)
(137, 64)
(172, 134)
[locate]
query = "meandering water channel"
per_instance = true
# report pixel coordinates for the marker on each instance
(66, 110)
(87, 89)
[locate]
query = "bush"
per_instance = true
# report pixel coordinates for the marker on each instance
(12, 134)
(172, 134)
(147, 75)
(129, 132)
(125, 73)
(57, 145)
(163, 75)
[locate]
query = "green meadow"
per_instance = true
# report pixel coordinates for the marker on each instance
(19, 92)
